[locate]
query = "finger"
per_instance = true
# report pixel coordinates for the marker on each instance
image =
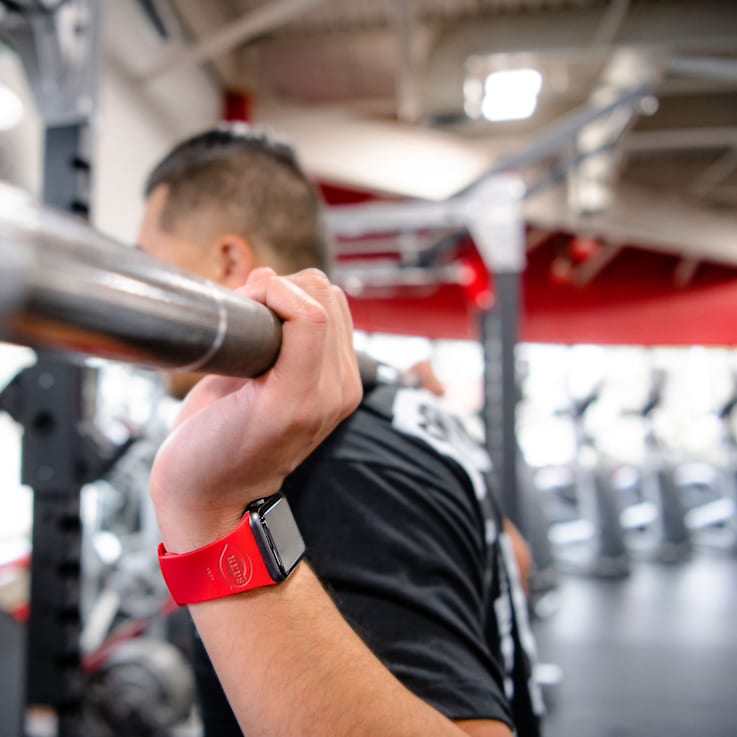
(305, 325)
(344, 320)
(259, 274)
(317, 285)
(341, 335)
(353, 388)
(338, 374)
(339, 340)
(312, 281)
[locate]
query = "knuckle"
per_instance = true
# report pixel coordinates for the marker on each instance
(314, 278)
(340, 298)
(260, 272)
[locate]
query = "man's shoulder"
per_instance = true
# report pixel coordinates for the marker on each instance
(406, 426)
(377, 426)
(371, 433)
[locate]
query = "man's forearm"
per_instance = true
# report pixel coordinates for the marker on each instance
(292, 666)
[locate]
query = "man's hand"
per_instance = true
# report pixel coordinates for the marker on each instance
(236, 439)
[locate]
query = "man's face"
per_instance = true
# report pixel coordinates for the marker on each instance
(178, 248)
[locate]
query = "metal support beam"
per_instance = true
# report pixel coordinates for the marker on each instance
(563, 132)
(498, 330)
(251, 25)
(495, 223)
(680, 139)
(709, 68)
(457, 211)
(53, 416)
(60, 51)
(57, 50)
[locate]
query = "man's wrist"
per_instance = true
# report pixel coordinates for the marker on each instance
(183, 529)
(180, 533)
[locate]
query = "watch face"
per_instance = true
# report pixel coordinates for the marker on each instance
(278, 522)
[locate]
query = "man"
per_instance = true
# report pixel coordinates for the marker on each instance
(424, 629)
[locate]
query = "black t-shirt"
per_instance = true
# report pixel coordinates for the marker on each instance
(401, 529)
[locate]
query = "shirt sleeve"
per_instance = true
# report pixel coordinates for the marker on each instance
(401, 550)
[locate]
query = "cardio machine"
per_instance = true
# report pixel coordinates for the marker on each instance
(592, 542)
(714, 523)
(656, 526)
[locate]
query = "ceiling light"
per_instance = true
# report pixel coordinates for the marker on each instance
(511, 94)
(11, 108)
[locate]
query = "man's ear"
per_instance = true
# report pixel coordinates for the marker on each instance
(235, 260)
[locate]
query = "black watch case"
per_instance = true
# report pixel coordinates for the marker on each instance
(277, 535)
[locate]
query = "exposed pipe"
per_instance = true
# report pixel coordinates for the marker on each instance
(680, 139)
(707, 67)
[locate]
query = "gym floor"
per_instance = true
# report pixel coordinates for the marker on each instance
(654, 654)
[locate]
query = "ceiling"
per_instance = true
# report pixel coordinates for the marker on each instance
(372, 93)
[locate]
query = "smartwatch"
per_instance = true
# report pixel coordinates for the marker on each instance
(261, 550)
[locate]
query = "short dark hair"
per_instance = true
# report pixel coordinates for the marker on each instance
(256, 187)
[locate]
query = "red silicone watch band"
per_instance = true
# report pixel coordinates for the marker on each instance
(229, 565)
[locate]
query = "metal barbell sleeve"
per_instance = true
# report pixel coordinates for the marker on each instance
(66, 286)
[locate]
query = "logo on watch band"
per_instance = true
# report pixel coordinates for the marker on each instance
(235, 567)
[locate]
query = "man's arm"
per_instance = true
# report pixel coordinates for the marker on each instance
(522, 554)
(287, 660)
(291, 665)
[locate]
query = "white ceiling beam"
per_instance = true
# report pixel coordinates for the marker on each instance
(262, 20)
(339, 146)
(643, 217)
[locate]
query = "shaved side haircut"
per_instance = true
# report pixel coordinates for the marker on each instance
(250, 184)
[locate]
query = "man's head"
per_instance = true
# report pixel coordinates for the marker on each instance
(228, 189)
(229, 200)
